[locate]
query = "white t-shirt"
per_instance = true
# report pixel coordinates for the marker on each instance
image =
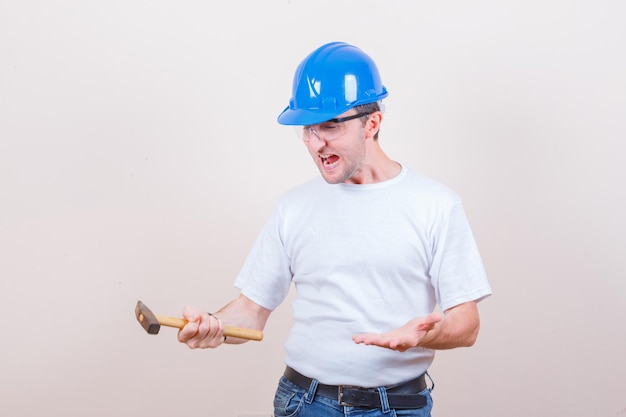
(363, 258)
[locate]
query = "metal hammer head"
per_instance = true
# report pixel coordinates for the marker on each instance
(147, 320)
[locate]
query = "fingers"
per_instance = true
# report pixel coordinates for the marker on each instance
(202, 330)
(384, 340)
(433, 318)
(429, 322)
(376, 339)
(361, 338)
(402, 338)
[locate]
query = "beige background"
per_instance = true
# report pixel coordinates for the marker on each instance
(140, 156)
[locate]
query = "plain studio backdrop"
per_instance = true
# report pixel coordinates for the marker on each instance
(140, 156)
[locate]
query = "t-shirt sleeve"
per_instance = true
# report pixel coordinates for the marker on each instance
(265, 276)
(457, 271)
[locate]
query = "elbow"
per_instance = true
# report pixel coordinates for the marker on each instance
(465, 322)
(472, 336)
(470, 341)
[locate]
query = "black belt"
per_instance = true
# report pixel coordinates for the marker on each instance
(404, 395)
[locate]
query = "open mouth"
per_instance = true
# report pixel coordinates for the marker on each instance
(329, 161)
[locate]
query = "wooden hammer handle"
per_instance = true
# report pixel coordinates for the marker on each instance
(239, 332)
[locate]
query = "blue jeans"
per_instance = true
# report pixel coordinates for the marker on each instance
(292, 401)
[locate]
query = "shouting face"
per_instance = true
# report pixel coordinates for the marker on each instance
(338, 149)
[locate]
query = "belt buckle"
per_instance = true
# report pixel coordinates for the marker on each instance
(342, 396)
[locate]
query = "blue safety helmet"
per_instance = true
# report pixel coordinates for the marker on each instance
(329, 81)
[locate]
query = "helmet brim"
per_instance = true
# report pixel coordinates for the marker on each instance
(301, 117)
(306, 117)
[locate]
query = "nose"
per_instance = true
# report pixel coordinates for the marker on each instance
(315, 142)
(313, 134)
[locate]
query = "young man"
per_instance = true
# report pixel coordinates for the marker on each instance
(372, 248)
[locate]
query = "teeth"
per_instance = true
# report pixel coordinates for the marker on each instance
(325, 160)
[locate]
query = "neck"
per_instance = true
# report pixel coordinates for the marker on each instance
(378, 167)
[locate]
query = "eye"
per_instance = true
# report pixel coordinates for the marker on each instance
(329, 126)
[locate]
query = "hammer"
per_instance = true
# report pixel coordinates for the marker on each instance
(152, 324)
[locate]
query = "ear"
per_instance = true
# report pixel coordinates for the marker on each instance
(373, 124)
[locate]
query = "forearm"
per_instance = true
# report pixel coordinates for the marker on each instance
(242, 312)
(458, 328)
(205, 330)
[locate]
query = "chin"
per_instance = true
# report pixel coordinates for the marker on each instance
(330, 179)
